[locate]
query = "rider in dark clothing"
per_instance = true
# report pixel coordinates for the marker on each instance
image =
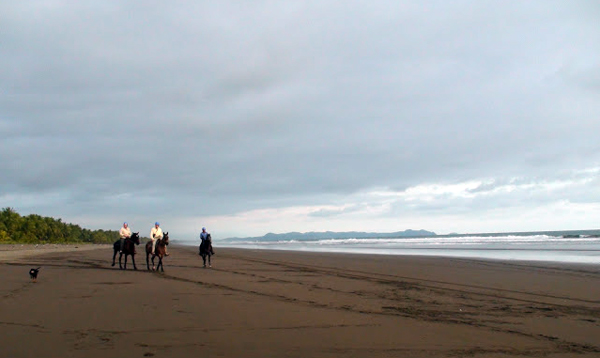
(204, 240)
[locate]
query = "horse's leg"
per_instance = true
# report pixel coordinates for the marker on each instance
(204, 259)
(120, 256)
(209, 265)
(125, 266)
(160, 263)
(147, 261)
(153, 268)
(133, 260)
(114, 256)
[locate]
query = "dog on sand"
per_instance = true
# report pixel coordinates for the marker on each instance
(33, 273)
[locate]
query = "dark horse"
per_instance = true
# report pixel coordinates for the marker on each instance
(160, 250)
(206, 250)
(128, 249)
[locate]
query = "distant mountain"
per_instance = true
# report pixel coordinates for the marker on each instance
(333, 235)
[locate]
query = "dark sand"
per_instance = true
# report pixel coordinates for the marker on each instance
(293, 304)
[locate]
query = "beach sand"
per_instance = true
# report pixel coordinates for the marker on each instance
(256, 303)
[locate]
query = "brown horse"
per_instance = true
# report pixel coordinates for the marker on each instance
(160, 250)
(128, 249)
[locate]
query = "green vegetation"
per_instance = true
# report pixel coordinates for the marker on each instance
(35, 229)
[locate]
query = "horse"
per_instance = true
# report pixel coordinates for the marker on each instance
(128, 249)
(206, 250)
(159, 250)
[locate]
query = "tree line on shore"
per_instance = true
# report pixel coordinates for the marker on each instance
(35, 229)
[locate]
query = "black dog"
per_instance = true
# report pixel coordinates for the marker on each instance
(33, 273)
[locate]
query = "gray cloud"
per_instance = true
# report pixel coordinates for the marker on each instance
(206, 109)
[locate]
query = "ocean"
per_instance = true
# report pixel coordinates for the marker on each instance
(583, 249)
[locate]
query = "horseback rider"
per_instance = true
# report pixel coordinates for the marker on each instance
(124, 233)
(203, 237)
(156, 234)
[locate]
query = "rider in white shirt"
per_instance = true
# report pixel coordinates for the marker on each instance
(155, 234)
(124, 233)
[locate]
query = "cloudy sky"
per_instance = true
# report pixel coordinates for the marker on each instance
(250, 117)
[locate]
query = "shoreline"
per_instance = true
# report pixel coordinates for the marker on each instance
(10, 252)
(511, 248)
(556, 263)
(260, 303)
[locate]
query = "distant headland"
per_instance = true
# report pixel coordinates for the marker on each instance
(307, 236)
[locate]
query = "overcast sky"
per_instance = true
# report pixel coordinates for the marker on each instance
(250, 117)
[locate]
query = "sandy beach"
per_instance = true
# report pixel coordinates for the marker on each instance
(258, 303)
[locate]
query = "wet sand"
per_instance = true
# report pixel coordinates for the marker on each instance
(255, 303)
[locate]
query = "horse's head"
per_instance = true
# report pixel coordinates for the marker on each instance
(135, 237)
(208, 238)
(166, 238)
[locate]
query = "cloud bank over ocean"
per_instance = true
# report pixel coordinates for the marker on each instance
(470, 116)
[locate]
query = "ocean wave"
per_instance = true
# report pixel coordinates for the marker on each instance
(429, 241)
(507, 247)
(483, 240)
